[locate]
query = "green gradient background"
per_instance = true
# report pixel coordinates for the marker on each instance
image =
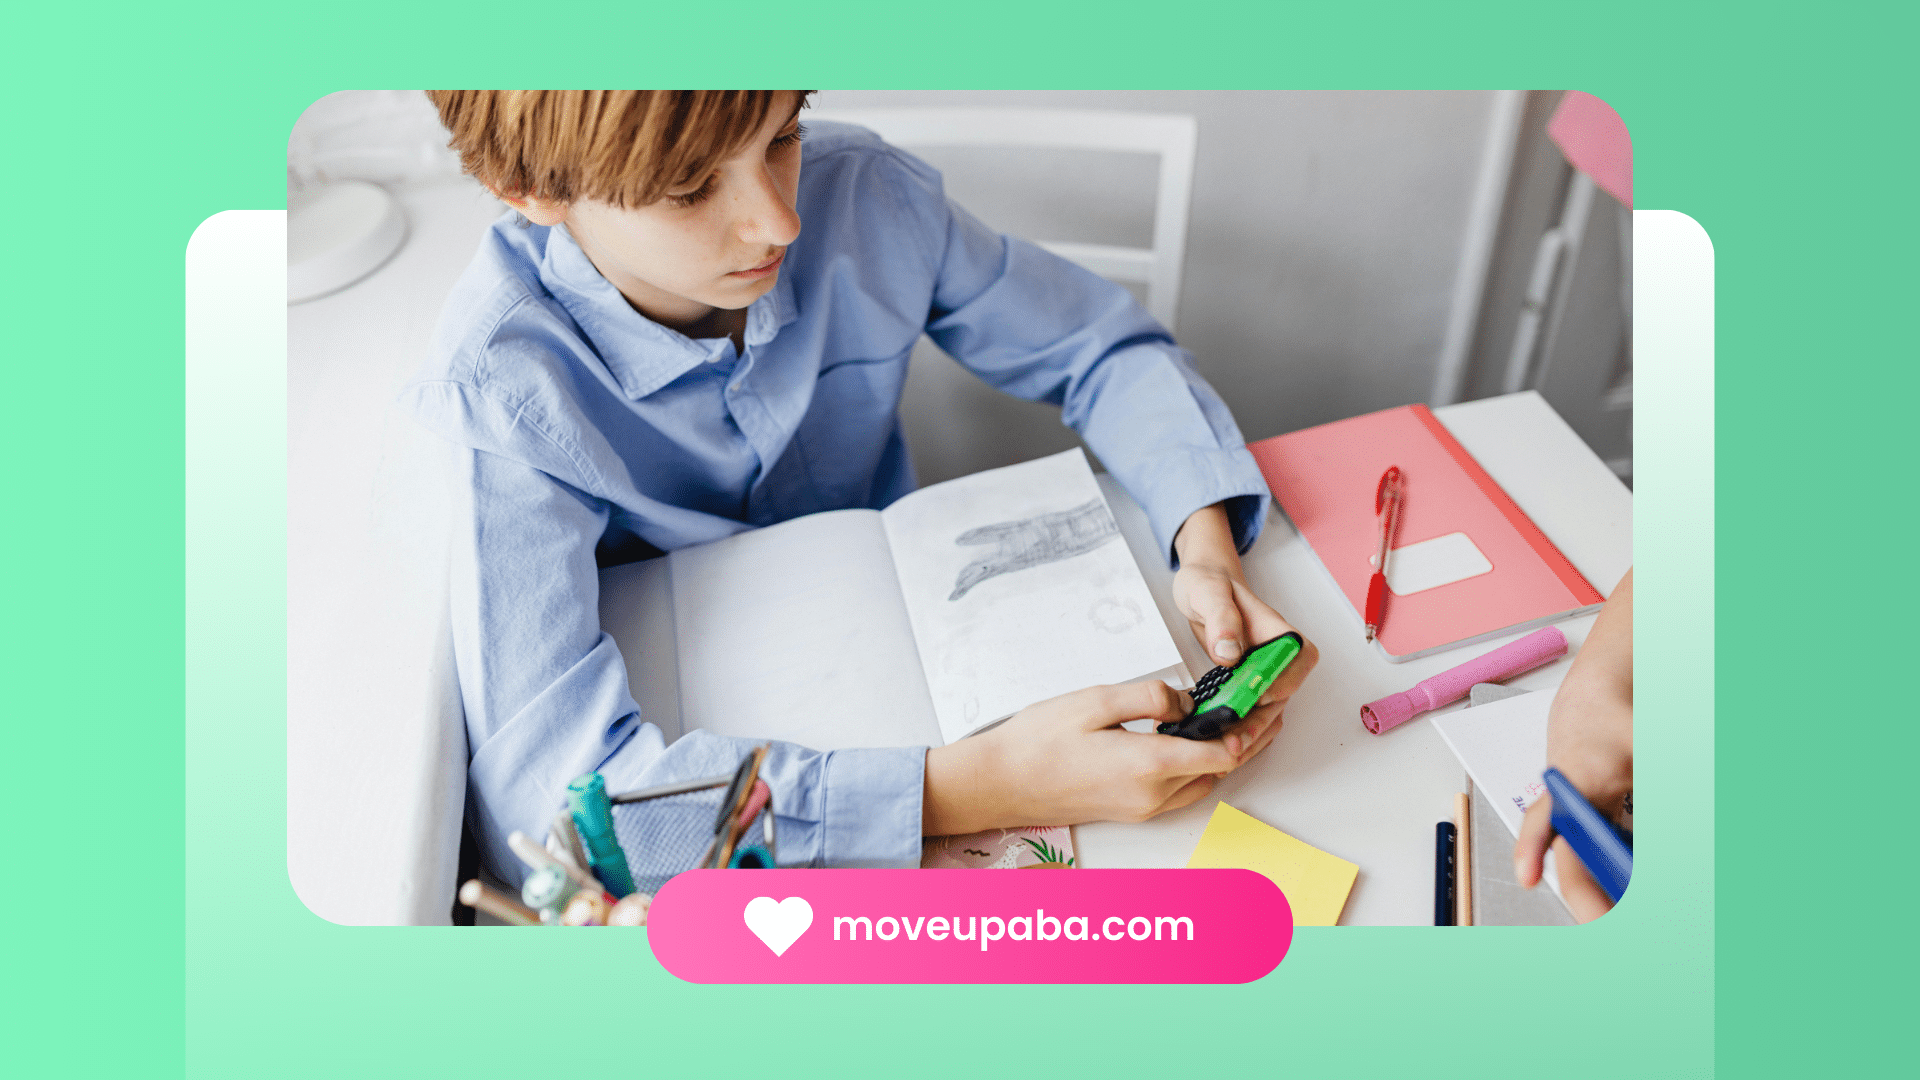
(1785, 134)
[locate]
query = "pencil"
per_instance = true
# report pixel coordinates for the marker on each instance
(536, 857)
(766, 818)
(505, 908)
(1463, 860)
(663, 790)
(570, 839)
(734, 825)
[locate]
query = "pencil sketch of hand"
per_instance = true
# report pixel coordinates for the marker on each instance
(1034, 541)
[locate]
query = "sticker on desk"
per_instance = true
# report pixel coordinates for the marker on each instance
(968, 926)
(1430, 564)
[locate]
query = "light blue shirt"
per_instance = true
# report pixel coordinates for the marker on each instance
(591, 436)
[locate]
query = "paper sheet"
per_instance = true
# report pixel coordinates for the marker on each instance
(1503, 745)
(1020, 588)
(636, 607)
(796, 632)
(1316, 884)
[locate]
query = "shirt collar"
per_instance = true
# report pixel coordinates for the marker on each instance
(640, 353)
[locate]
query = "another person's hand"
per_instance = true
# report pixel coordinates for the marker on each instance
(1067, 760)
(1210, 589)
(1590, 740)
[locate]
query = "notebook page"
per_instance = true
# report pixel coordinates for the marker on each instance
(796, 632)
(1020, 588)
(636, 609)
(1503, 746)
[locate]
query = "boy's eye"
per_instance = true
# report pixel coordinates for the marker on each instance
(694, 197)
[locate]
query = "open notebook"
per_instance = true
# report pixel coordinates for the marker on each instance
(914, 626)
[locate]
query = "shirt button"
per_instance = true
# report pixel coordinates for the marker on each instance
(735, 388)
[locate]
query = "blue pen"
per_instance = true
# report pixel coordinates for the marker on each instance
(1606, 850)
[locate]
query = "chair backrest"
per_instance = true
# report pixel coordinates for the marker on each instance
(1171, 136)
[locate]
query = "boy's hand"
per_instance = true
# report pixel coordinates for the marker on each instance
(1067, 760)
(1210, 589)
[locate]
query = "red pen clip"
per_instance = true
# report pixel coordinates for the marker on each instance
(1386, 506)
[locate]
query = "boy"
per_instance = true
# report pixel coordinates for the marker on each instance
(663, 357)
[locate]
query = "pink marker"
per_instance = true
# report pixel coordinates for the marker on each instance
(1537, 648)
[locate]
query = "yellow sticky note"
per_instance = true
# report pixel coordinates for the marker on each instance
(1315, 882)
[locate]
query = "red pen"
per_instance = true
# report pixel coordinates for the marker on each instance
(1386, 506)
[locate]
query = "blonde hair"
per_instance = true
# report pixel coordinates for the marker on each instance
(628, 148)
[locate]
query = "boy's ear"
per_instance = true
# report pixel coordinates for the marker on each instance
(538, 211)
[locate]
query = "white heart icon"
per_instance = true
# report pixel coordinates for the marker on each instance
(778, 925)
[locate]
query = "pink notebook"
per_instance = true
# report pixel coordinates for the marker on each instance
(1467, 564)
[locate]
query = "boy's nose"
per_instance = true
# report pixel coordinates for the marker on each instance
(767, 215)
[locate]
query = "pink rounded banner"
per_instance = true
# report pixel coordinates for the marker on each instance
(970, 926)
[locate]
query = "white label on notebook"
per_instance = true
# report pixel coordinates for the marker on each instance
(1430, 564)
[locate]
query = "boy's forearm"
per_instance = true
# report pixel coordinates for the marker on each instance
(960, 795)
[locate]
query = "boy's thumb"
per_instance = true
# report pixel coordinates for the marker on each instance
(1225, 634)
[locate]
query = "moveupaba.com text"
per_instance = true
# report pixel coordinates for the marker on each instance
(988, 929)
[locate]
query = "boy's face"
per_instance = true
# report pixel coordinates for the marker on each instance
(715, 247)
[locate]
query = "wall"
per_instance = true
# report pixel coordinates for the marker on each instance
(1322, 250)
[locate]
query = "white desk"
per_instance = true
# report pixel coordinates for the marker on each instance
(1373, 799)
(376, 743)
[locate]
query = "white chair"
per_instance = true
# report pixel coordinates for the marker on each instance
(955, 424)
(1169, 136)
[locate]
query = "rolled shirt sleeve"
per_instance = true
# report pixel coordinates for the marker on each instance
(840, 808)
(1042, 328)
(546, 697)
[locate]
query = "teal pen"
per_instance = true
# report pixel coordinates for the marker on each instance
(593, 819)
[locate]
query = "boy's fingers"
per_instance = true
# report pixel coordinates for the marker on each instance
(1296, 673)
(1536, 832)
(1110, 706)
(1187, 794)
(1246, 738)
(1217, 622)
(1262, 624)
(1191, 757)
(1264, 736)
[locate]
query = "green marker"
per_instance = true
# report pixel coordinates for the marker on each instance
(593, 819)
(1225, 695)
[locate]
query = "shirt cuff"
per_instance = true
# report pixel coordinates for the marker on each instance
(1174, 487)
(871, 807)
